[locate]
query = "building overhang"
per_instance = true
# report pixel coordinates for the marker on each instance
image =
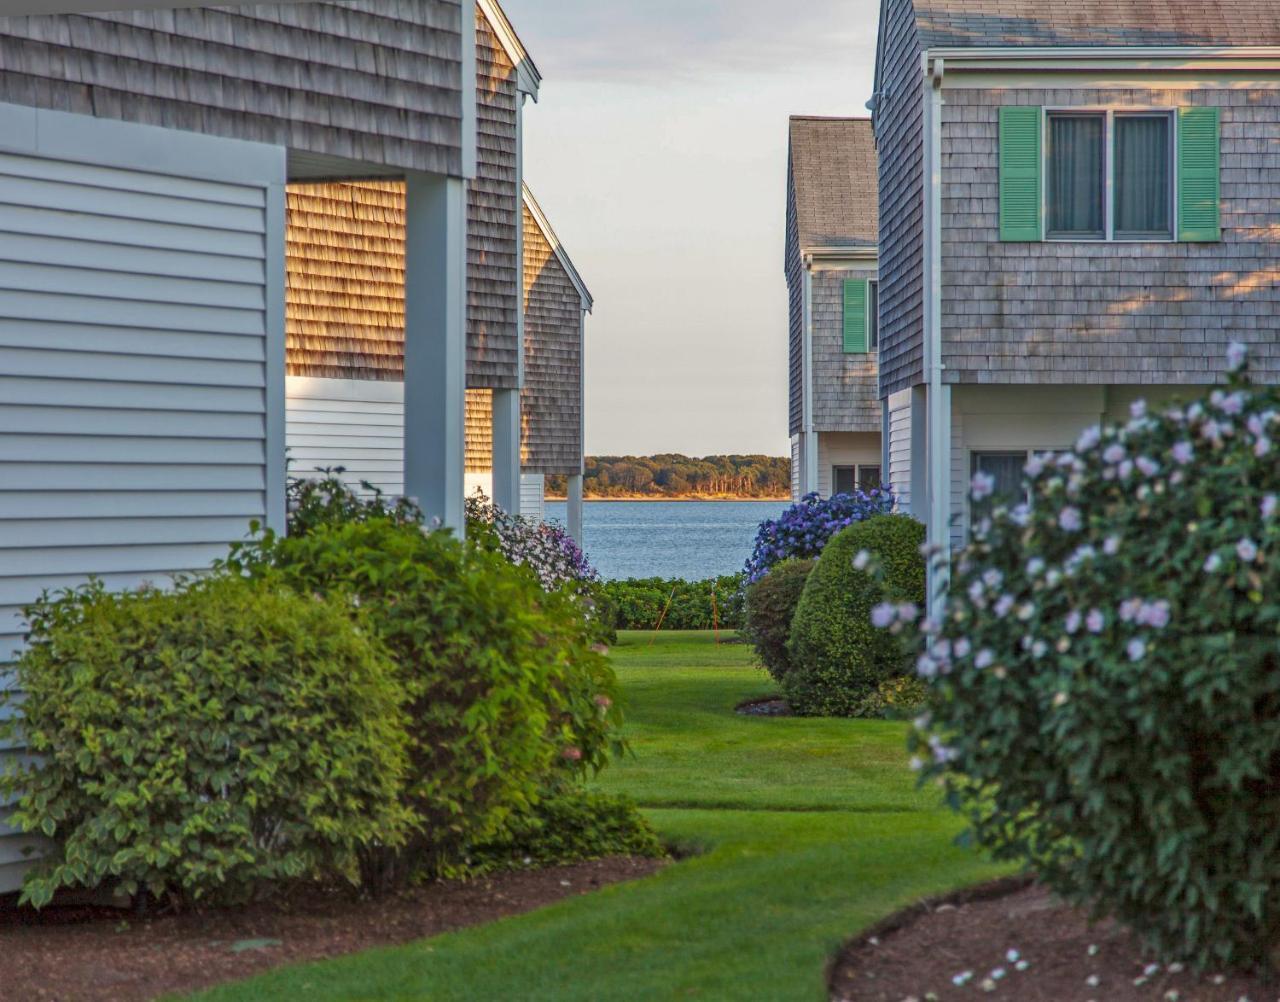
(837, 255)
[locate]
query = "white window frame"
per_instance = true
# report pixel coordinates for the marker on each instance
(857, 473)
(1109, 113)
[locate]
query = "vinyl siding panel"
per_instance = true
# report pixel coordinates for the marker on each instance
(135, 338)
(899, 473)
(533, 492)
(1095, 312)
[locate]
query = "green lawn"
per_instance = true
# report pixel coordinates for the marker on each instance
(807, 830)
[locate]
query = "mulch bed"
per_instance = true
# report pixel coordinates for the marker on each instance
(915, 955)
(774, 706)
(90, 954)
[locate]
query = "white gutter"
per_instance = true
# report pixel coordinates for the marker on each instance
(938, 521)
(1084, 57)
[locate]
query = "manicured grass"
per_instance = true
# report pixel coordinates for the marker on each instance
(807, 829)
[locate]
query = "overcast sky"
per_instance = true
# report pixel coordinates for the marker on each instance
(658, 150)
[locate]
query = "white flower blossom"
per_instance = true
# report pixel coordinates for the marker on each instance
(1113, 453)
(1026, 611)
(992, 578)
(1004, 606)
(982, 486)
(1089, 438)
(1213, 563)
(1268, 506)
(1095, 622)
(1074, 621)
(1262, 447)
(1035, 567)
(1183, 453)
(962, 647)
(1148, 466)
(1237, 355)
(984, 659)
(883, 615)
(1039, 649)
(1136, 649)
(1070, 520)
(862, 560)
(1020, 515)
(1034, 466)
(1247, 550)
(1111, 546)
(908, 612)
(926, 667)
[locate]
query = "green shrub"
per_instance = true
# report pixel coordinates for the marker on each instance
(570, 827)
(201, 743)
(838, 659)
(1107, 677)
(506, 687)
(770, 607)
(641, 603)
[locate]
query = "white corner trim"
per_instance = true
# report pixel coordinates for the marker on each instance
(539, 217)
(938, 434)
(469, 85)
(527, 76)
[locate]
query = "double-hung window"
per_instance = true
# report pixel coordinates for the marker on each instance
(1109, 175)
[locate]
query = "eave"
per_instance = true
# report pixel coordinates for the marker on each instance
(1086, 58)
(539, 217)
(527, 76)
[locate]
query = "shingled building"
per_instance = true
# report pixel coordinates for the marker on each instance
(830, 264)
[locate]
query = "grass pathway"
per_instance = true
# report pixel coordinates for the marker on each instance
(807, 830)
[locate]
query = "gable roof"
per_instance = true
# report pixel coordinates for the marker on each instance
(527, 73)
(540, 218)
(833, 171)
(1123, 23)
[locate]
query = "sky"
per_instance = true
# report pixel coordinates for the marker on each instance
(658, 150)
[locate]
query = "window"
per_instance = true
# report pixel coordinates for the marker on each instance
(848, 479)
(873, 325)
(1109, 175)
(1006, 469)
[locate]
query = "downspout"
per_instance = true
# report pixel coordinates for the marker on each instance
(939, 403)
(809, 448)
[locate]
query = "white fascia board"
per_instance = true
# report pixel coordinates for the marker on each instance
(539, 217)
(1083, 57)
(528, 79)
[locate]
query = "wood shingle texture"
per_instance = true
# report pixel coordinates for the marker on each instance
(551, 402)
(833, 173)
(373, 81)
(983, 23)
(1108, 312)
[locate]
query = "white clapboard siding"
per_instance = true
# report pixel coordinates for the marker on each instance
(959, 481)
(141, 361)
(356, 424)
(533, 495)
(795, 467)
(900, 453)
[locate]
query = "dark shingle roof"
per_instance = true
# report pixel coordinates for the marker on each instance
(833, 167)
(997, 23)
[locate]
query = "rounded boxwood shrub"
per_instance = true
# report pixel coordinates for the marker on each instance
(770, 607)
(203, 743)
(1107, 676)
(838, 658)
(507, 690)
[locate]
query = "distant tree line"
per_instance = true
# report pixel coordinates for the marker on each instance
(674, 476)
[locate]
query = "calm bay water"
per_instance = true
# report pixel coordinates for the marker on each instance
(670, 539)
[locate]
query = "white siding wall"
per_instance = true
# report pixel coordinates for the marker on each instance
(533, 492)
(899, 473)
(141, 328)
(796, 460)
(844, 449)
(357, 424)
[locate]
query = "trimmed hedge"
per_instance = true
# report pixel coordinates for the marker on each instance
(639, 603)
(770, 608)
(838, 659)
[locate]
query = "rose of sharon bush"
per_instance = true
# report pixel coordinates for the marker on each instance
(803, 529)
(1107, 676)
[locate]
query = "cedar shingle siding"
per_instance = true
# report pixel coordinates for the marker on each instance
(794, 269)
(378, 81)
(551, 404)
(900, 139)
(493, 294)
(1096, 312)
(845, 394)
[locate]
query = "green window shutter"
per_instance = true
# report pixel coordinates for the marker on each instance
(1199, 195)
(1020, 168)
(855, 315)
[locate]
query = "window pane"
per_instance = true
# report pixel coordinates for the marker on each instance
(873, 324)
(844, 480)
(1006, 468)
(1142, 175)
(868, 477)
(1075, 175)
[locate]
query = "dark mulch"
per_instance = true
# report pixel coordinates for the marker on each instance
(774, 706)
(91, 954)
(916, 954)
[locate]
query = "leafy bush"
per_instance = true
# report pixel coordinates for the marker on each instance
(838, 659)
(1108, 678)
(803, 529)
(639, 603)
(506, 686)
(570, 827)
(546, 549)
(198, 743)
(770, 607)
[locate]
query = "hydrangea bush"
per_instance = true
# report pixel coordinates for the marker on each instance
(803, 529)
(1107, 675)
(546, 549)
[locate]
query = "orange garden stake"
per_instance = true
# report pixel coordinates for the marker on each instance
(715, 613)
(658, 626)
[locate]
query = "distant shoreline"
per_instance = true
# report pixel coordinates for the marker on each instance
(696, 497)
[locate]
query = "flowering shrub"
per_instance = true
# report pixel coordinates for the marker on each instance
(803, 529)
(326, 499)
(1107, 675)
(546, 549)
(838, 660)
